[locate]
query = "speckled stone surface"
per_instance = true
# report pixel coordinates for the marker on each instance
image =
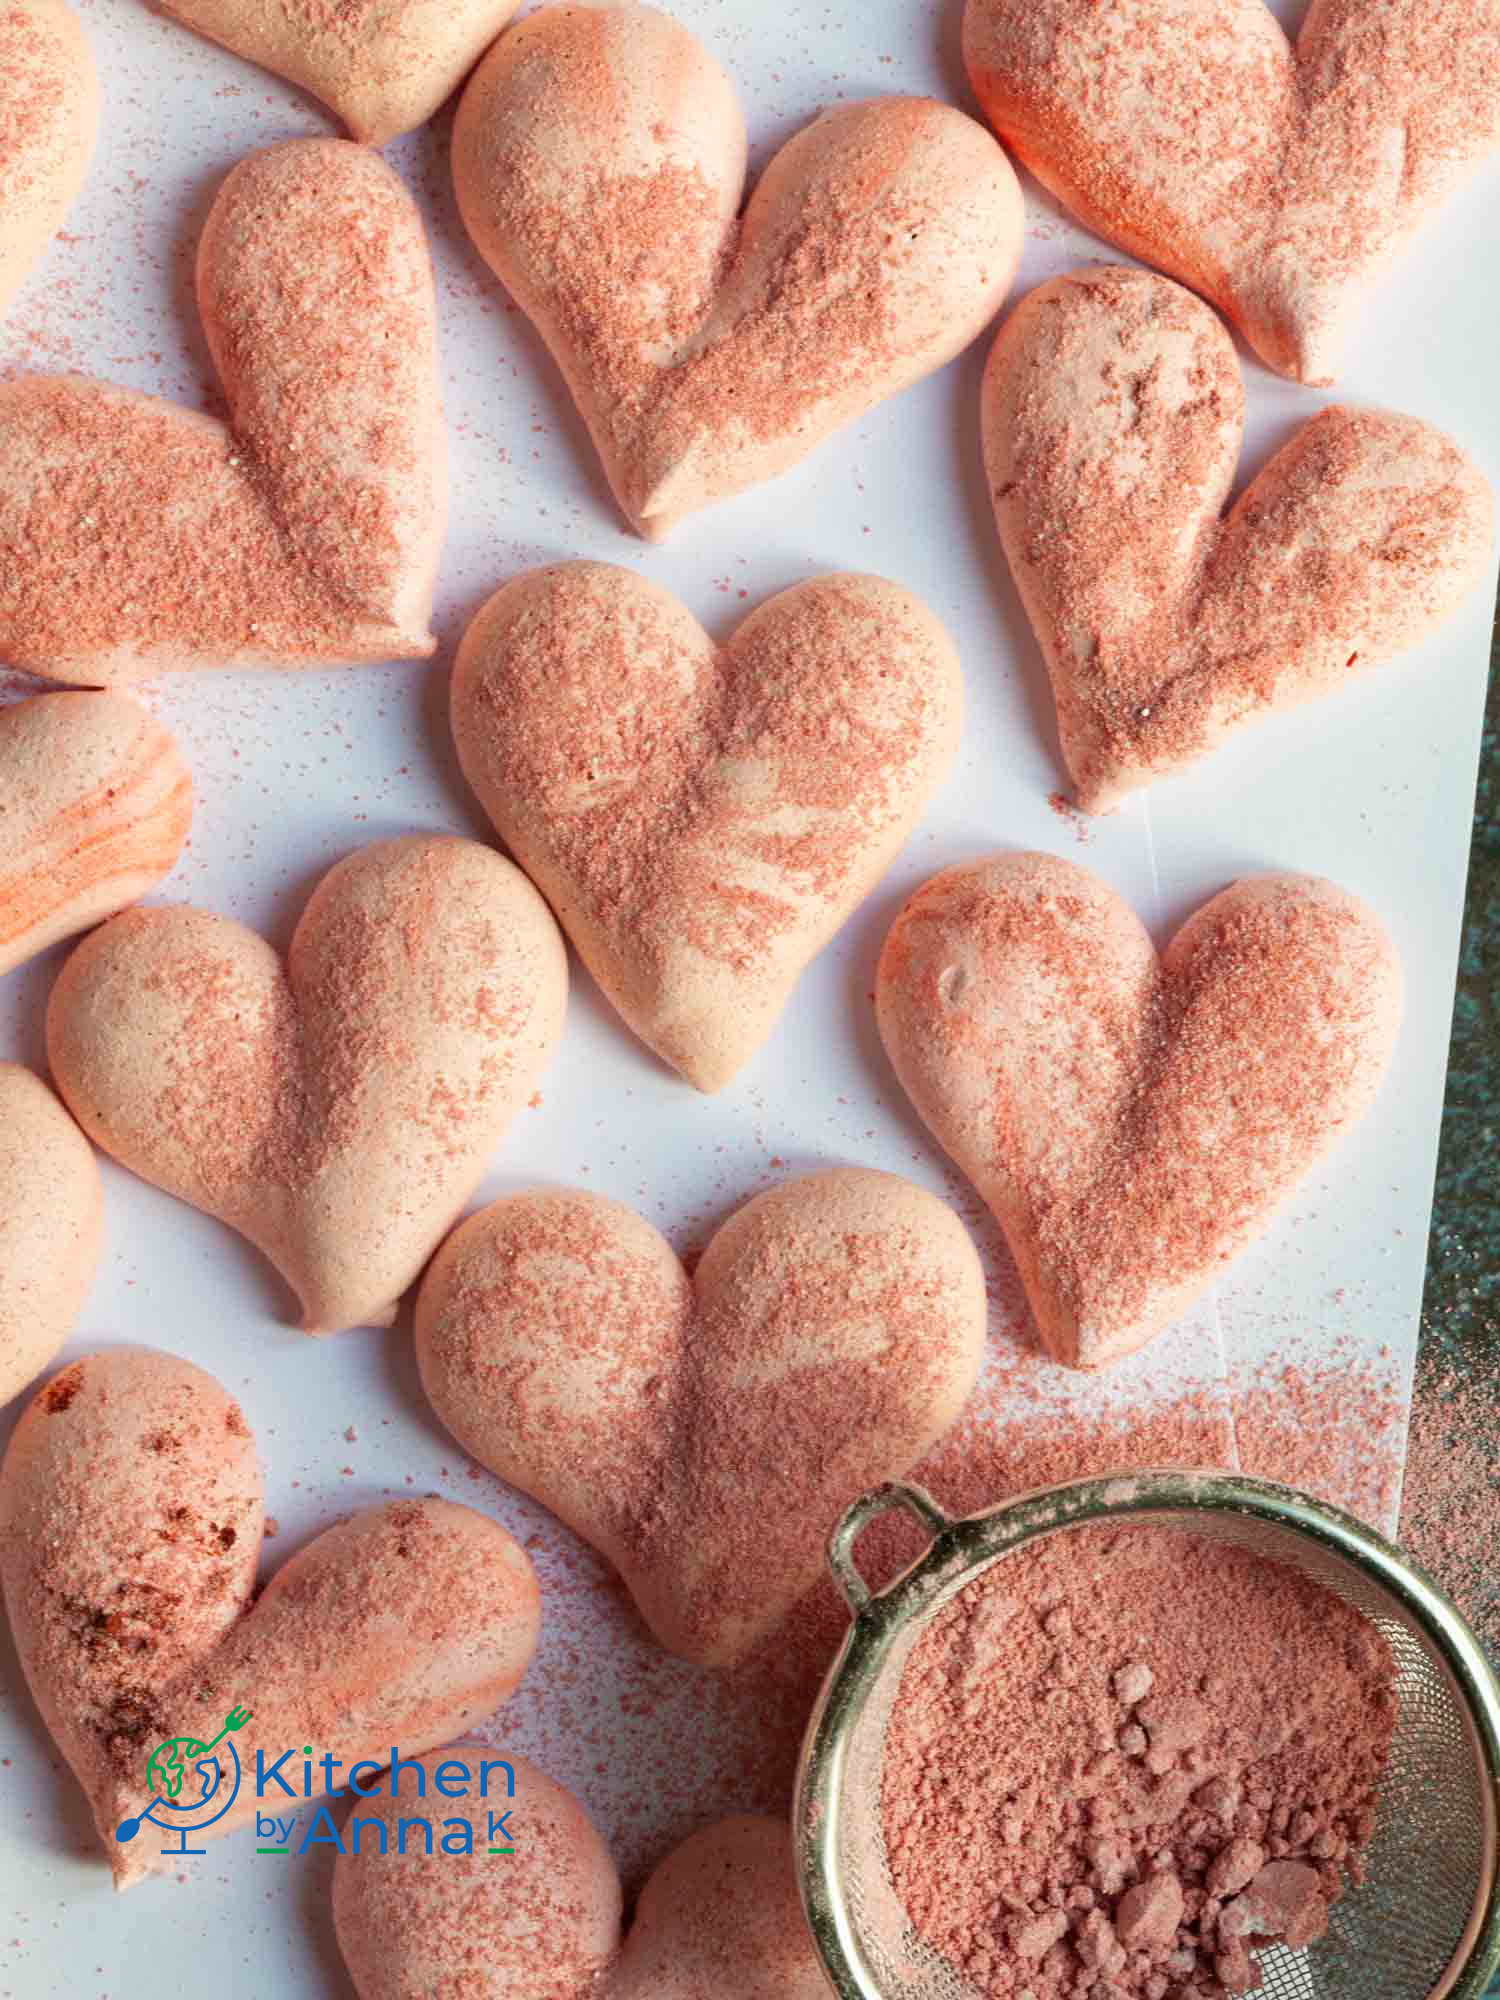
(1462, 1304)
(1452, 1515)
(1458, 1387)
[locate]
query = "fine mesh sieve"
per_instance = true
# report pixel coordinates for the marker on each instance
(1425, 1925)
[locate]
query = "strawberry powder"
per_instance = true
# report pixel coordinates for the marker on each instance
(1126, 1760)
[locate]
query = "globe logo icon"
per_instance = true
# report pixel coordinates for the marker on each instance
(193, 1782)
(173, 1764)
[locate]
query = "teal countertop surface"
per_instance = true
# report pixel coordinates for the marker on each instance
(1461, 1307)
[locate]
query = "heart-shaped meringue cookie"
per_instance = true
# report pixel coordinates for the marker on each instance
(137, 536)
(599, 158)
(51, 1226)
(702, 820)
(1280, 183)
(382, 66)
(1133, 1122)
(1113, 415)
(97, 804)
(705, 1434)
(49, 120)
(720, 1917)
(339, 1109)
(130, 1527)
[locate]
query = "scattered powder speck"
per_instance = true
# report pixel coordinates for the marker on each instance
(1332, 1423)
(1079, 822)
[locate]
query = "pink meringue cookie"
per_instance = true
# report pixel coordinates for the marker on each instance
(338, 1109)
(542, 1921)
(383, 66)
(97, 804)
(1281, 182)
(720, 1916)
(131, 1518)
(706, 1433)
(1113, 417)
(1133, 1121)
(136, 535)
(599, 159)
(49, 120)
(51, 1226)
(703, 819)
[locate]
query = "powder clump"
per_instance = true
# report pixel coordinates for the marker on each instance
(1138, 1809)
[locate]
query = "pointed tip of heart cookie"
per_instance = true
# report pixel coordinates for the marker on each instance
(659, 495)
(322, 1318)
(383, 71)
(127, 1870)
(366, 129)
(709, 1070)
(1305, 349)
(1098, 797)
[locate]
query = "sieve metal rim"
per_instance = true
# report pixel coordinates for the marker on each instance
(963, 1546)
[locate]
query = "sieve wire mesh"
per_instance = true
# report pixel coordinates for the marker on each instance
(1397, 1937)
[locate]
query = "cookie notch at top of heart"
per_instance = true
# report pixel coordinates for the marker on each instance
(337, 1109)
(382, 66)
(49, 120)
(706, 1433)
(136, 535)
(1113, 413)
(1280, 183)
(1132, 1121)
(599, 158)
(720, 1915)
(703, 819)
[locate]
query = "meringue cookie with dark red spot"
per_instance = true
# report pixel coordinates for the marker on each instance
(131, 1519)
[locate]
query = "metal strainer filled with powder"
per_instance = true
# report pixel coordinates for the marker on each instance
(1425, 1923)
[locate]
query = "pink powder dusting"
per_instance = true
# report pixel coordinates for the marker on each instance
(1126, 1760)
(657, 1747)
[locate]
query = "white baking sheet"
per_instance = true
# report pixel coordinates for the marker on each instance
(1374, 790)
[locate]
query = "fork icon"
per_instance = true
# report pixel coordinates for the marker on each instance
(236, 1719)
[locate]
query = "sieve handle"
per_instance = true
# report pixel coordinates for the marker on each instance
(883, 1500)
